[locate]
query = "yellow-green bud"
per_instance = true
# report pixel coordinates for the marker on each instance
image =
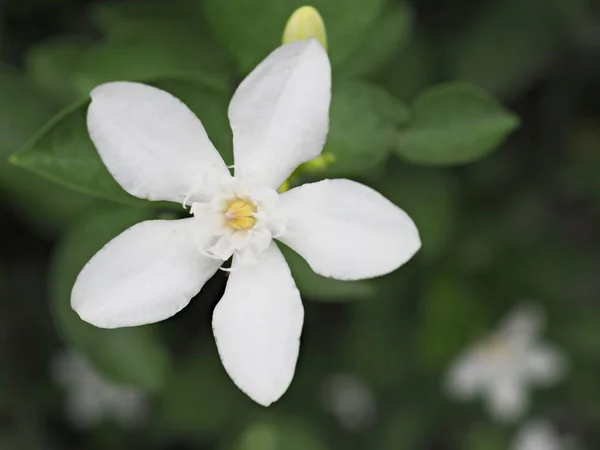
(320, 163)
(305, 23)
(285, 186)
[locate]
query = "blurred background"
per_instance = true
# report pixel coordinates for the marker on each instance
(506, 194)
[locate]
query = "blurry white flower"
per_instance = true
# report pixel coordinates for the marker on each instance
(90, 397)
(350, 400)
(505, 365)
(157, 149)
(540, 435)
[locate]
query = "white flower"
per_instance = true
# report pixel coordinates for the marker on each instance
(157, 149)
(350, 400)
(505, 365)
(92, 398)
(539, 435)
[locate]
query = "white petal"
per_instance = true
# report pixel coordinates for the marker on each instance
(146, 274)
(346, 230)
(280, 113)
(257, 326)
(523, 324)
(507, 400)
(467, 376)
(537, 435)
(545, 364)
(151, 143)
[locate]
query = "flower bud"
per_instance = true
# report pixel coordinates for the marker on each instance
(305, 23)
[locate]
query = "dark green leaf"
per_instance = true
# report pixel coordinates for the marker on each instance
(378, 345)
(113, 18)
(130, 355)
(486, 437)
(278, 433)
(452, 315)
(505, 59)
(153, 50)
(64, 153)
(199, 399)
(388, 34)
(23, 110)
(251, 29)
(454, 123)
(410, 69)
(431, 198)
(364, 125)
(317, 287)
(50, 66)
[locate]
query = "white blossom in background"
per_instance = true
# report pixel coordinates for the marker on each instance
(503, 367)
(157, 149)
(91, 398)
(540, 435)
(351, 401)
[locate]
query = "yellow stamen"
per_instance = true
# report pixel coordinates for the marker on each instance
(240, 214)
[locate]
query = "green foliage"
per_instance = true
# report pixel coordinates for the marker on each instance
(278, 433)
(431, 198)
(454, 124)
(363, 128)
(452, 315)
(251, 29)
(115, 18)
(50, 65)
(390, 32)
(371, 326)
(516, 225)
(198, 399)
(410, 68)
(316, 287)
(152, 50)
(405, 429)
(130, 355)
(23, 110)
(486, 437)
(503, 59)
(64, 153)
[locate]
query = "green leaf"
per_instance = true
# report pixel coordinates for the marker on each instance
(130, 355)
(210, 106)
(364, 125)
(389, 33)
(63, 152)
(251, 29)
(452, 315)
(199, 400)
(486, 437)
(431, 198)
(407, 428)
(50, 64)
(377, 343)
(317, 287)
(115, 18)
(510, 44)
(410, 69)
(278, 433)
(454, 123)
(23, 110)
(153, 50)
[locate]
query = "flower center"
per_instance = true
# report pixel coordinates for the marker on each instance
(240, 214)
(497, 349)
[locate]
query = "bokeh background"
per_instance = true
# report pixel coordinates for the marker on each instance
(514, 219)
